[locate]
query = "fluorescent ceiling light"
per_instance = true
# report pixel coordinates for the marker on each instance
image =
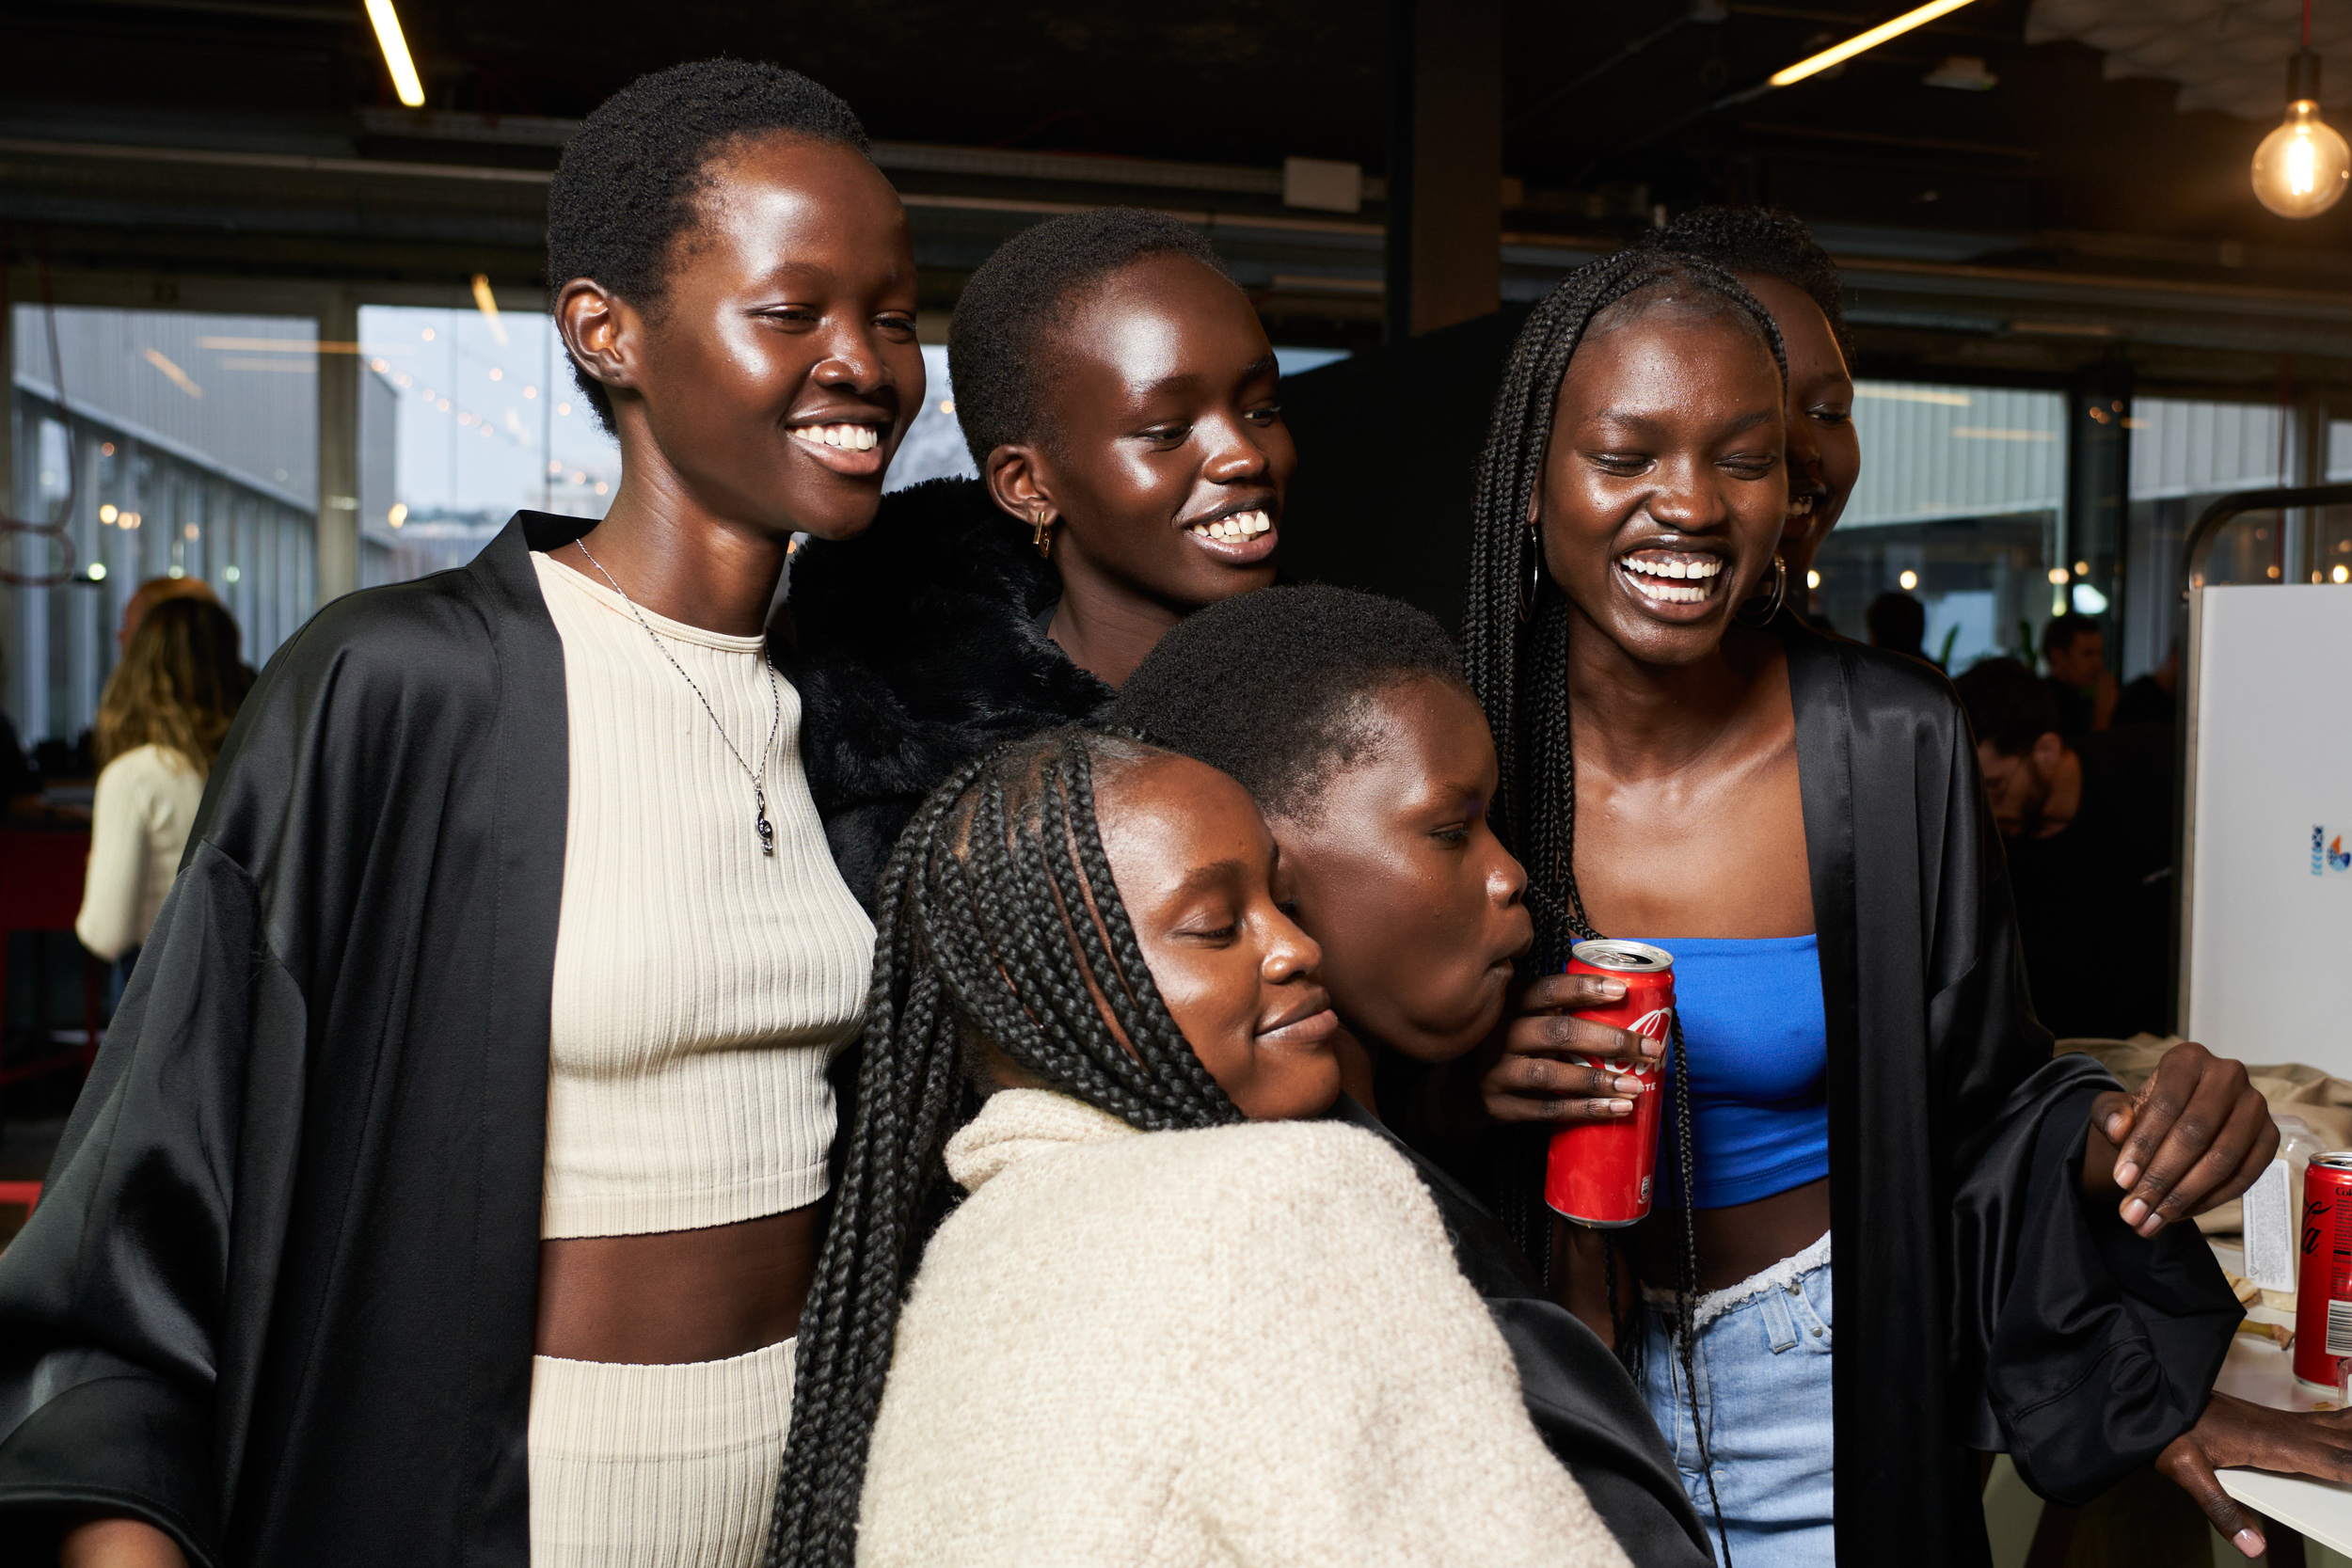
(1836, 54)
(395, 47)
(488, 303)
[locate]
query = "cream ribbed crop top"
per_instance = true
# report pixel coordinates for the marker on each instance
(700, 987)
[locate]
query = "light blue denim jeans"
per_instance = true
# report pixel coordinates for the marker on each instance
(1762, 1366)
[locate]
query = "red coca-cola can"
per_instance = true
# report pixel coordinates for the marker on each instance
(1600, 1173)
(2323, 1287)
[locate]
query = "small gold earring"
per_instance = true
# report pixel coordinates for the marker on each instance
(1041, 533)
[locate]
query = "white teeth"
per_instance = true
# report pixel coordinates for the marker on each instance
(1241, 525)
(846, 437)
(1657, 579)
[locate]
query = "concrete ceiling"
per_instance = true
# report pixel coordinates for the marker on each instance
(2226, 54)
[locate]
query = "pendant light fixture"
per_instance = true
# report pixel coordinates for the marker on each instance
(2301, 168)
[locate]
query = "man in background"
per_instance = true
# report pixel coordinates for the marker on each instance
(2087, 823)
(2075, 650)
(1897, 623)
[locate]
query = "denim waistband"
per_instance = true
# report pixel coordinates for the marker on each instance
(1790, 1272)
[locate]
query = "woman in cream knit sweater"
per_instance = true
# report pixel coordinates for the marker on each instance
(1171, 1324)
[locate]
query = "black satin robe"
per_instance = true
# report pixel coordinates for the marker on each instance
(1980, 1304)
(278, 1297)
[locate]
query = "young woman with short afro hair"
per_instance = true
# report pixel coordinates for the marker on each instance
(1119, 397)
(451, 1183)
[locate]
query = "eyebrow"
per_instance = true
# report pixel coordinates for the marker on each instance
(1202, 878)
(1263, 366)
(1634, 421)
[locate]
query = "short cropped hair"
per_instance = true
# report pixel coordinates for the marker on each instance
(1762, 241)
(1000, 338)
(2009, 707)
(2060, 633)
(1273, 687)
(632, 176)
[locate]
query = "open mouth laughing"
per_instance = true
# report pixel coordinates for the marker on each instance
(1661, 576)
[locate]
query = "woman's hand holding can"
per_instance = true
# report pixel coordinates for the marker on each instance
(1542, 1074)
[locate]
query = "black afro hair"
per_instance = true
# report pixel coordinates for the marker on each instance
(1273, 687)
(1764, 240)
(1000, 335)
(631, 175)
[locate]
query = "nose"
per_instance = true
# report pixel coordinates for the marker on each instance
(1291, 954)
(1506, 879)
(1689, 497)
(1234, 456)
(854, 359)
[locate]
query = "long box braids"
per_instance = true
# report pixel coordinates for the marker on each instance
(998, 926)
(1514, 645)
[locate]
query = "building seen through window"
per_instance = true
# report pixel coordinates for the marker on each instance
(165, 444)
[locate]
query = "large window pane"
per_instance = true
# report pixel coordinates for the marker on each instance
(164, 443)
(1958, 506)
(465, 419)
(2187, 453)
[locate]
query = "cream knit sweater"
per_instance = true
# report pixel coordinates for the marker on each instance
(1248, 1346)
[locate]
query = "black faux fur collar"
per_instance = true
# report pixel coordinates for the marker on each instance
(915, 647)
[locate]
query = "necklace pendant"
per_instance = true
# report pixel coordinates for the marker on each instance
(767, 836)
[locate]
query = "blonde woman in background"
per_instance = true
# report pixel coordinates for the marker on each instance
(160, 724)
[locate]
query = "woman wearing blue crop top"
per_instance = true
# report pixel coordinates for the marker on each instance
(1801, 822)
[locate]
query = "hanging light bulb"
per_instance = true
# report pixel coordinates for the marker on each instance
(2301, 168)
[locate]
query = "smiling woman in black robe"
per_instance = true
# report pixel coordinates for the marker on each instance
(290, 1297)
(1671, 771)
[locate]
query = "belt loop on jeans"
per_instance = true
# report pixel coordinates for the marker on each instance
(1778, 1321)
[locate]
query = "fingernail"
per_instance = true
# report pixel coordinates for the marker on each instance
(1628, 1086)
(1612, 988)
(2116, 1125)
(1653, 1048)
(2133, 1212)
(2155, 1223)
(2250, 1541)
(1621, 1107)
(2125, 1174)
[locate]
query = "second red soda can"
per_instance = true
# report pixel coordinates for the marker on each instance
(2323, 1291)
(1600, 1173)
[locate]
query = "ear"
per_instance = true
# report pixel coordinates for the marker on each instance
(2047, 748)
(602, 332)
(1019, 485)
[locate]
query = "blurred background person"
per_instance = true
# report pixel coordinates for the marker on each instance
(160, 724)
(2087, 822)
(2074, 650)
(2153, 698)
(1897, 623)
(155, 591)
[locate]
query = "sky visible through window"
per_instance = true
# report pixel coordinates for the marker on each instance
(487, 417)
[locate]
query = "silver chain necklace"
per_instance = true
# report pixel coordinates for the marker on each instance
(775, 718)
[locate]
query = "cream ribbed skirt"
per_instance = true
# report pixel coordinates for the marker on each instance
(656, 1467)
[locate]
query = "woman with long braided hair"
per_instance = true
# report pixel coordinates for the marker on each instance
(1170, 1321)
(1801, 822)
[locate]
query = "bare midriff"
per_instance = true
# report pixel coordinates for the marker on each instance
(678, 1296)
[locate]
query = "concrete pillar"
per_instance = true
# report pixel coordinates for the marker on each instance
(2098, 487)
(338, 447)
(1445, 163)
(2308, 441)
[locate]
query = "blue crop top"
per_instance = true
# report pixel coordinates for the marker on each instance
(1759, 1039)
